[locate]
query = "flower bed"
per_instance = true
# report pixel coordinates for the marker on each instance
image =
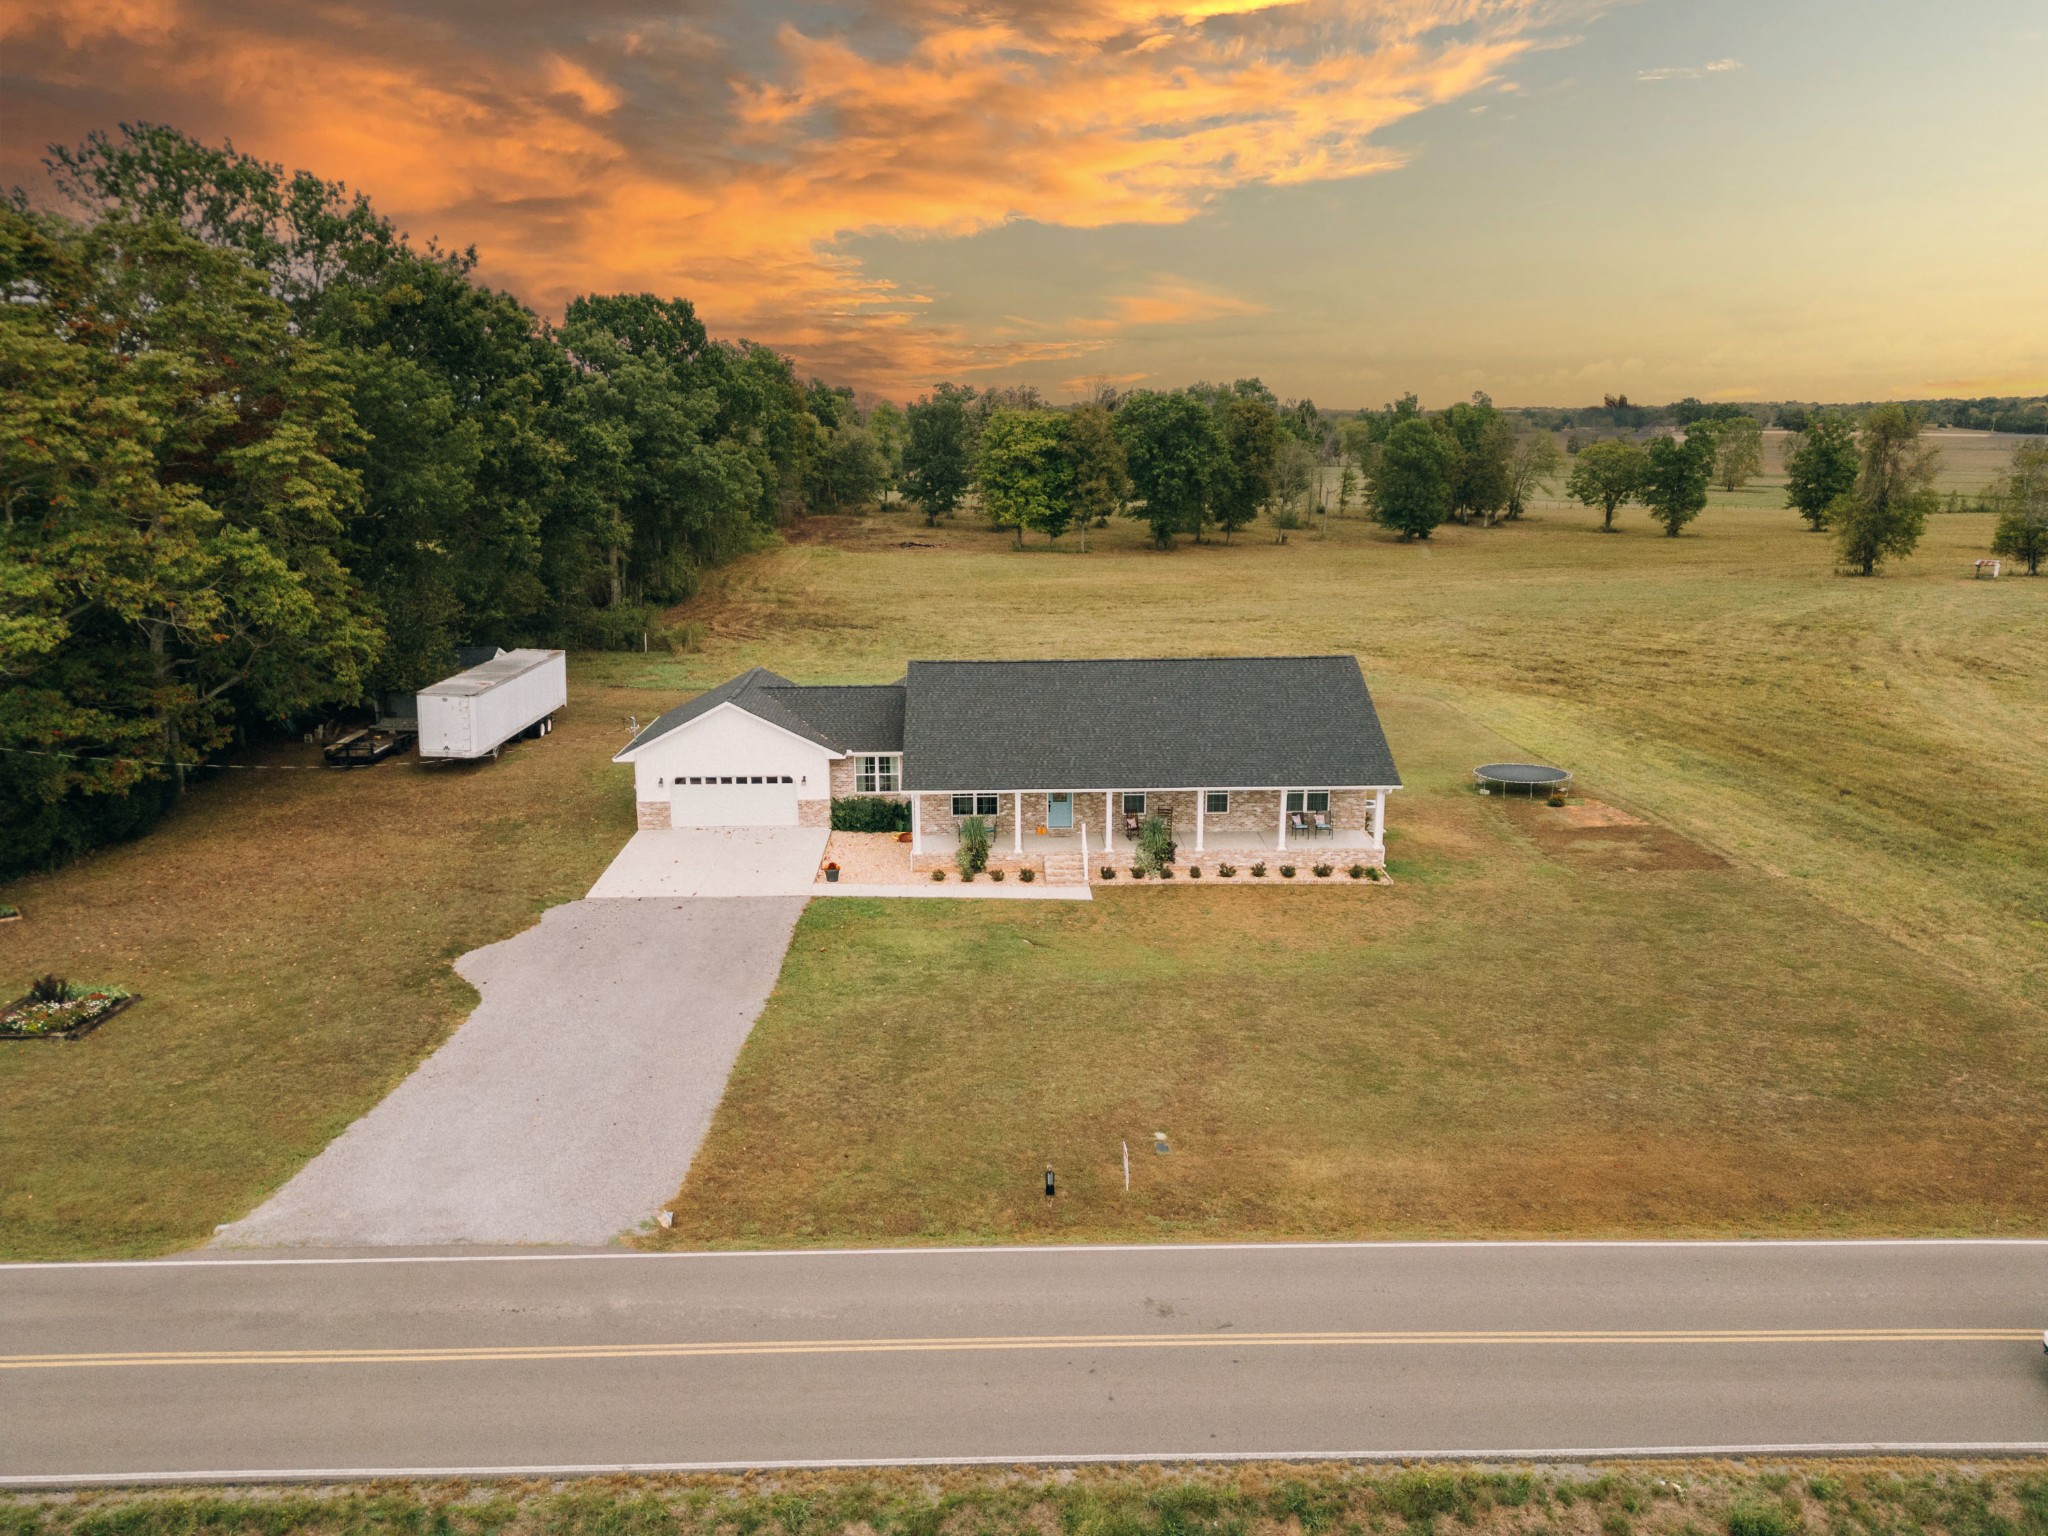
(79, 1012)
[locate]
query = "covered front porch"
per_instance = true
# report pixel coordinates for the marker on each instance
(1089, 824)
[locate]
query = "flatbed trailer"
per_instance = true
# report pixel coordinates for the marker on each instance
(371, 744)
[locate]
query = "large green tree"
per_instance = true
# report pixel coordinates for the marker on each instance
(1176, 456)
(1025, 473)
(1883, 517)
(938, 452)
(1739, 458)
(1411, 493)
(1252, 435)
(1536, 461)
(2022, 497)
(1482, 475)
(174, 504)
(1676, 475)
(1101, 478)
(1606, 474)
(1821, 469)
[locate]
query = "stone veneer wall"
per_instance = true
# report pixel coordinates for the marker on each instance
(846, 778)
(652, 815)
(814, 813)
(1251, 810)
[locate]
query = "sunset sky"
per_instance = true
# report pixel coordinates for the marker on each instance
(1546, 199)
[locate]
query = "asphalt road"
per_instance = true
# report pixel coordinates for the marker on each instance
(236, 1367)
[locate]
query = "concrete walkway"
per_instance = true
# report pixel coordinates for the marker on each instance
(567, 1108)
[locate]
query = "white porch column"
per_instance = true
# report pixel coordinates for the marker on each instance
(1017, 815)
(1283, 821)
(916, 825)
(1379, 816)
(1109, 822)
(1201, 810)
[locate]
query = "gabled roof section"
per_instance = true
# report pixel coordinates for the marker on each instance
(865, 718)
(703, 704)
(1281, 722)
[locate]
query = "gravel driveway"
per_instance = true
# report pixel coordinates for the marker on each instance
(567, 1108)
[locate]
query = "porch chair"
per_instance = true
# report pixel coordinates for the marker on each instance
(1297, 821)
(1323, 824)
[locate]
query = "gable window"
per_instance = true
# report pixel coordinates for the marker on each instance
(1134, 805)
(1216, 802)
(977, 805)
(1311, 800)
(878, 775)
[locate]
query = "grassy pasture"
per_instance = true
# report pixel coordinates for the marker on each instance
(1817, 1001)
(1810, 1000)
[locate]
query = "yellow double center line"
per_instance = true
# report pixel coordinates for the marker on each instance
(500, 1353)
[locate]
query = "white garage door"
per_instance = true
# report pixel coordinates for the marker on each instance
(740, 800)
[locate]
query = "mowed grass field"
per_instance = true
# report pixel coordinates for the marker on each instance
(1808, 996)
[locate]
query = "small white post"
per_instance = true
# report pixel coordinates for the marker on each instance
(1201, 810)
(1283, 821)
(916, 826)
(1017, 814)
(1379, 817)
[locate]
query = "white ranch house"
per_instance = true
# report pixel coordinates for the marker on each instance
(1239, 753)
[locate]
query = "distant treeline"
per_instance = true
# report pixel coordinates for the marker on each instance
(263, 457)
(1616, 413)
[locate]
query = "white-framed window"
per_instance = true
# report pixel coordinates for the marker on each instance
(881, 774)
(1310, 800)
(977, 805)
(1134, 804)
(1216, 802)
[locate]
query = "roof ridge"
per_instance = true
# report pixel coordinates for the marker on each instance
(1080, 661)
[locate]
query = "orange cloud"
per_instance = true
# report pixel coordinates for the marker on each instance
(640, 152)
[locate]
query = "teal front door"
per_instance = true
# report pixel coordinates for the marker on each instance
(1059, 812)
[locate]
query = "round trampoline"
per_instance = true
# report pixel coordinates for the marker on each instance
(1530, 778)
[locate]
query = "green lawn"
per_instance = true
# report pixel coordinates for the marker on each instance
(1810, 999)
(1816, 1003)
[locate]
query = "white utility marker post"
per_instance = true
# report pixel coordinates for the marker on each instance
(1379, 817)
(916, 826)
(1283, 821)
(1201, 810)
(1017, 811)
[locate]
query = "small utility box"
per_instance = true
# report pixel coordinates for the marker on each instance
(474, 713)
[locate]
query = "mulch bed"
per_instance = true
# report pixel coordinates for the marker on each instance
(85, 1023)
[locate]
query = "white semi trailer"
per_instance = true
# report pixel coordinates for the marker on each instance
(474, 713)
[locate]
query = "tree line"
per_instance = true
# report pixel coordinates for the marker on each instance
(263, 457)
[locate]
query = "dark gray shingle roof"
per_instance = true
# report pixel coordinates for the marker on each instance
(708, 700)
(1228, 722)
(866, 718)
